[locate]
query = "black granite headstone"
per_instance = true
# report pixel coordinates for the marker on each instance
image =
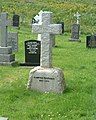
(32, 53)
(91, 41)
(75, 32)
(16, 20)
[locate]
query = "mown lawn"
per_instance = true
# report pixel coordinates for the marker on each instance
(78, 102)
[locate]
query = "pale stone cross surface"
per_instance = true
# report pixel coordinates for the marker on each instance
(3, 27)
(46, 29)
(38, 19)
(77, 15)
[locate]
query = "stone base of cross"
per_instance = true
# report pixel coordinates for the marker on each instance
(46, 78)
(6, 56)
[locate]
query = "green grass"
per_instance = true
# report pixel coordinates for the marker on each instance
(78, 102)
(63, 10)
(78, 63)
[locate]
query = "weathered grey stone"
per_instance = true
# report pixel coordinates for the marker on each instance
(46, 29)
(13, 63)
(6, 50)
(13, 41)
(3, 118)
(52, 39)
(75, 29)
(38, 19)
(3, 26)
(75, 32)
(7, 57)
(46, 80)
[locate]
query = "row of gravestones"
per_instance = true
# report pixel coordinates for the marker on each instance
(43, 78)
(37, 53)
(13, 39)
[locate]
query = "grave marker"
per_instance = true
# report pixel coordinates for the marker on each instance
(91, 41)
(16, 20)
(75, 29)
(32, 53)
(38, 19)
(46, 78)
(13, 41)
(6, 56)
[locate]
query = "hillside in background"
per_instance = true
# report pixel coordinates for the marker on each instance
(63, 10)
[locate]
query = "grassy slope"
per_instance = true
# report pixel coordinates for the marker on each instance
(78, 101)
(63, 10)
(79, 66)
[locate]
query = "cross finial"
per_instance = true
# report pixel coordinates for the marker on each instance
(77, 15)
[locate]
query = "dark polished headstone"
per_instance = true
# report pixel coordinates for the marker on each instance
(75, 32)
(91, 41)
(32, 53)
(16, 20)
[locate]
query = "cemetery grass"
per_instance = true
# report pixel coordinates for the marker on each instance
(78, 102)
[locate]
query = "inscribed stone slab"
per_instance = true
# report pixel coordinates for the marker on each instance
(46, 80)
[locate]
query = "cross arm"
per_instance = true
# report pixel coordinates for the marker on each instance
(37, 28)
(55, 28)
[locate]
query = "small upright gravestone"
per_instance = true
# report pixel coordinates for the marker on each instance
(75, 29)
(91, 41)
(46, 78)
(6, 56)
(16, 20)
(32, 53)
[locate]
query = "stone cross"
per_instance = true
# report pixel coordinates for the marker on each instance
(38, 19)
(77, 15)
(46, 29)
(3, 26)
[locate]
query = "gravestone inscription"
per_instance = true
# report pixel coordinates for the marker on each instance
(91, 41)
(32, 53)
